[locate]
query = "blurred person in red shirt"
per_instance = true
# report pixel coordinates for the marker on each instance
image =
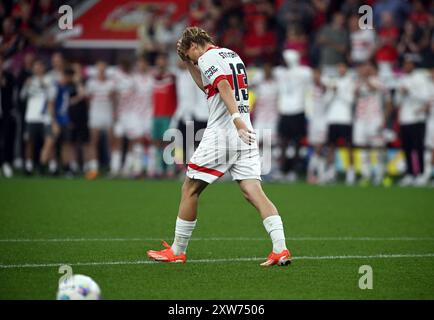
(419, 14)
(260, 43)
(232, 35)
(164, 101)
(202, 10)
(388, 37)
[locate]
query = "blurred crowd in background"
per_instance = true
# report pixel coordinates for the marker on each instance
(317, 82)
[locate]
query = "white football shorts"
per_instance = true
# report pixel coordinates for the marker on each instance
(209, 163)
(99, 119)
(368, 134)
(131, 126)
(317, 131)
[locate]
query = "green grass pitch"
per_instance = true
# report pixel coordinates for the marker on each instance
(103, 229)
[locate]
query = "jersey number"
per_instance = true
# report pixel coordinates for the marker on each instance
(239, 76)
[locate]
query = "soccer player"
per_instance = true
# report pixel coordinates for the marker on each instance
(412, 101)
(317, 128)
(164, 102)
(100, 91)
(125, 88)
(140, 123)
(39, 93)
(372, 98)
(340, 119)
(429, 139)
(265, 115)
(66, 95)
(293, 82)
(221, 74)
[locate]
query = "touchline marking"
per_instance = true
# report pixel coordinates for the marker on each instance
(223, 260)
(220, 239)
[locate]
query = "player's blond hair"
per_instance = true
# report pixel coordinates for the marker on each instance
(194, 35)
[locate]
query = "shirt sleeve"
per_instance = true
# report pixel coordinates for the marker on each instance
(211, 69)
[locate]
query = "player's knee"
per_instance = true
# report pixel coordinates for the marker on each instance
(190, 190)
(247, 195)
(251, 192)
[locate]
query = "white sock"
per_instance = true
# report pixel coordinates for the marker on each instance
(52, 165)
(92, 165)
(274, 226)
(183, 231)
(151, 160)
(365, 158)
(313, 164)
(29, 165)
(138, 153)
(379, 167)
(126, 170)
(74, 166)
(331, 172)
(115, 162)
(322, 163)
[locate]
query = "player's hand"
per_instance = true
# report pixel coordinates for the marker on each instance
(180, 53)
(247, 136)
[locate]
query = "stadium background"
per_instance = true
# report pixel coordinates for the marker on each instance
(116, 30)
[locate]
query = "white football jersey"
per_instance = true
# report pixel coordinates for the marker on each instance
(293, 84)
(369, 104)
(215, 65)
(340, 109)
(125, 87)
(413, 102)
(143, 105)
(100, 95)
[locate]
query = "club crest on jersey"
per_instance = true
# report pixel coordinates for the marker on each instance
(210, 71)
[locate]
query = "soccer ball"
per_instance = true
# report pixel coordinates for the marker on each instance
(78, 287)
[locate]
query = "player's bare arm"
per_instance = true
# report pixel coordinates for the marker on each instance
(194, 71)
(195, 74)
(227, 95)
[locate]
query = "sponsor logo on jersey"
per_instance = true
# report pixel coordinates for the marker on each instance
(210, 71)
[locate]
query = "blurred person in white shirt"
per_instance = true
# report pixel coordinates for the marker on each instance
(266, 114)
(125, 92)
(340, 119)
(320, 98)
(411, 101)
(100, 91)
(40, 93)
(139, 133)
(429, 140)
(293, 83)
(371, 110)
